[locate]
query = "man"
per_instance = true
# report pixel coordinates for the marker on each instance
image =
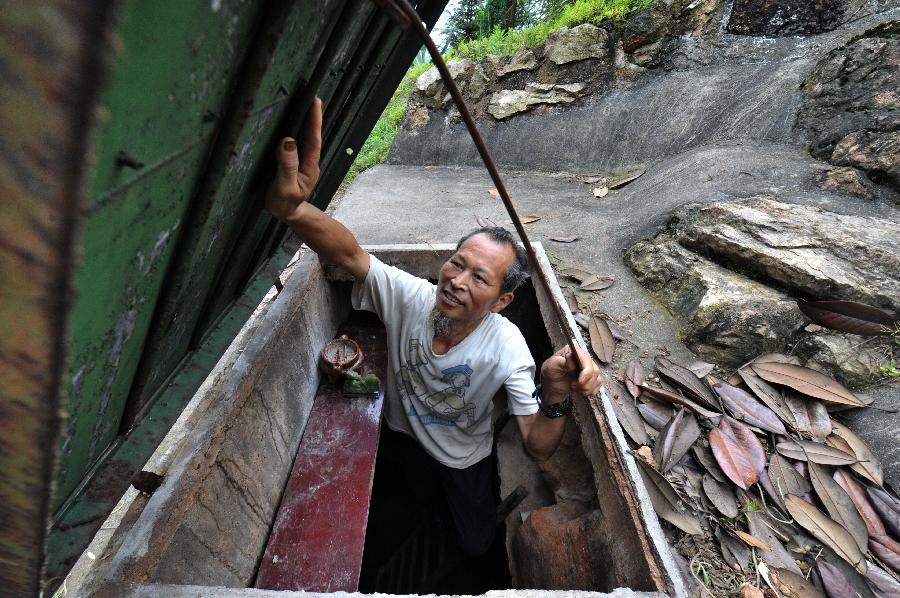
(449, 350)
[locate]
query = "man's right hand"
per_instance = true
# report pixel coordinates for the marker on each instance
(297, 174)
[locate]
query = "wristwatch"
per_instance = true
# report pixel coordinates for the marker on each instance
(553, 410)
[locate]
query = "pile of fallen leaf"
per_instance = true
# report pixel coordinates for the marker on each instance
(769, 491)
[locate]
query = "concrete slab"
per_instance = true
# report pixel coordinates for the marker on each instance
(423, 204)
(173, 591)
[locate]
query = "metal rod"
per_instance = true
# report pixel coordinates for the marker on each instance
(412, 20)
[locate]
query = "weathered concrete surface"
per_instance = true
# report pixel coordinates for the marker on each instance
(440, 204)
(229, 455)
(709, 89)
(678, 112)
(175, 591)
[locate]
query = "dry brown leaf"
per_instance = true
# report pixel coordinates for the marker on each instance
(571, 300)
(747, 409)
(627, 413)
(860, 499)
(582, 320)
(884, 582)
(838, 504)
(768, 394)
(766, 482)
(720, 495)
(807, 450)
(887, 551)
(792, 585)
(575, 273)
(626, 178)
(687, 380)
(819, 420)
(750, 591)
(835, 583)
(785, 478)
(666, 502)
(655, 414)
(867, 465)
(736, 450)
(674, 397)
(601, 191)
(835, 441)
(602, 341)
(701, 369)
(797, 405)
(675, 440)
(530, 218)
(735, 552)
(774, 358)
(826, 530)
(493, 193)
(634, 377)
(807, 381)
(596, 282)
(849, 316)
(887, 508)
(484, 222)
(752, 540)
(760, 526)
(705, 458)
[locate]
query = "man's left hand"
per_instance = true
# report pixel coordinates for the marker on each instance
(558, 379)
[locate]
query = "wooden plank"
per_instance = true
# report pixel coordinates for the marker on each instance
(320, 530)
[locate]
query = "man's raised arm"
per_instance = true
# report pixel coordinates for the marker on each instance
(293, 184)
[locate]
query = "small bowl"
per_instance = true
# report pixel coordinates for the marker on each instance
(338, 356)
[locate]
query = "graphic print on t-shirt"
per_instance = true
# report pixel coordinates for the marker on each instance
(445, 406)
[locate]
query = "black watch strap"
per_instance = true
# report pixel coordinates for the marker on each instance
(553, 410)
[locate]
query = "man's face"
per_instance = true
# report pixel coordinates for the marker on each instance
(470, 282)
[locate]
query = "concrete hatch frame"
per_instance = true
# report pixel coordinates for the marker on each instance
(204, 529)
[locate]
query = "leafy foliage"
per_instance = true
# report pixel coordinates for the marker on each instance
(375, 150)
(506, 42)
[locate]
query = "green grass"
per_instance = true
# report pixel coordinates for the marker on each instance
(375, 150)
(499, 43)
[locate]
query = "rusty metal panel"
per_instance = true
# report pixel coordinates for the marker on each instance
(157, 118)
(176, 249)
(227, 188)
(45, 100)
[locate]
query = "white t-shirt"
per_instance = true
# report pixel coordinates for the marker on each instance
(444, 401)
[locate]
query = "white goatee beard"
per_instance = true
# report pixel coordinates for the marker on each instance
(442, 324)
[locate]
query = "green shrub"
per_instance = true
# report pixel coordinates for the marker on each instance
(507, 43)
(375, 150)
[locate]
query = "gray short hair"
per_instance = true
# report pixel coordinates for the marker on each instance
(517, 272)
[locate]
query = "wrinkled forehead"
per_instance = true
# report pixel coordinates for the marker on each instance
(487, 253)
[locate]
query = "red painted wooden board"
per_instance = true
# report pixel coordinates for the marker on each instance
(317, 541)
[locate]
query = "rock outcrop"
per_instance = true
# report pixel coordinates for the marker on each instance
(722, 315)
(851, 108)
(812, 253)
(786, 17)
(579, 43)
(730, 272)
(508, 102)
